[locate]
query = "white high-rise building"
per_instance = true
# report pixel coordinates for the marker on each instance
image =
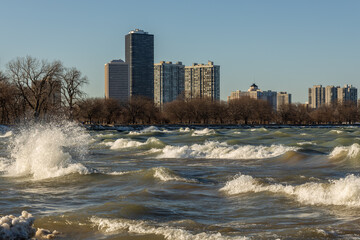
(319, 95)
(202, 80)
(316, 96)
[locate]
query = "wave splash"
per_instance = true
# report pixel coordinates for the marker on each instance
(48, 150)
(143, 227)
(344, 191)
(216, 150)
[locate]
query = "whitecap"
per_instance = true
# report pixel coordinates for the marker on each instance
(344, 191)
(148, 130)
(145, 227)
(123, 143)
(184, 129)
(336, 131)
(217, 150)
(305, 143)
(165, 175)
(204, 132)
(351, 152)
(7, 134)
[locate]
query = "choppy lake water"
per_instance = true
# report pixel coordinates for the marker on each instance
(182, 183)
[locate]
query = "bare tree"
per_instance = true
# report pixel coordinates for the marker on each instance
(71, 82)
(112, 110)
(2, 77)
(91, 110)
(243, 108)
(36, 80)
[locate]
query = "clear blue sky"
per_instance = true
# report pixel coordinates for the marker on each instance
(281, 45)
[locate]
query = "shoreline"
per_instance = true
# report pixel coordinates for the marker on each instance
(120, 127)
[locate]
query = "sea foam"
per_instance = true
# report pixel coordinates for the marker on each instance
(215, 150)
(48, 150)
(343, 191)
(143, 227)
(12, 227)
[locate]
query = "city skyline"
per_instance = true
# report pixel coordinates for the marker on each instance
(283, 46)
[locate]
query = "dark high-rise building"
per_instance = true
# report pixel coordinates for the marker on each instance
(139, 54)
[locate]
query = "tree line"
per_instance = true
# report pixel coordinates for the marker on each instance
(41, 90)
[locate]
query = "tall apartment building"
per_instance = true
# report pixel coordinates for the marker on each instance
(316, 96)
(347, 93)
(168, 82)
(202, 80)
(331, 95)
(139, 54)
(319, 95)
(283, 98)
(117, 80)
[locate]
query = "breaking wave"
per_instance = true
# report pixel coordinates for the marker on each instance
(351, 152)
(184, 129)
(7, 134)
(148, 130)
(215, 150)
(344, 191)
(204, 132)
(48, 150)
(162, 174)
(144, 227)
(123, 143)
(165, 175)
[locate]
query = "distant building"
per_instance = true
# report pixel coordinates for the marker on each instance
(117, 80)
(139, 54)
(255, 93)
(283, 98)
(202, 80)
(316, 96)
(168, 82)
(319, 95)
(331, 95)
(347, 94)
